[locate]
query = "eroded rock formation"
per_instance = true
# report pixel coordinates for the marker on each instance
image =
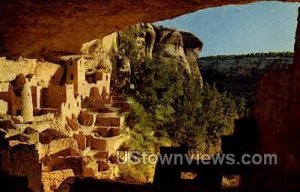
(33, 26)
(183, 46)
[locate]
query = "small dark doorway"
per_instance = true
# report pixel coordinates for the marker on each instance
(19, 112)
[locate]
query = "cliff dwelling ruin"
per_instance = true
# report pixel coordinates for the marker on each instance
(66, 116)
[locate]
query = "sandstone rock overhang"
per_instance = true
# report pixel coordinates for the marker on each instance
(29, 27)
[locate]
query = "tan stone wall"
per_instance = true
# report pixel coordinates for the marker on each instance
(4, 87)
(75, 75)
(89, 168)
(110, 174)
(53, 179)
(105, 83)
(3, 107)
(56, 146)
(72, 106)
(27, 106)
(63, 98)
(85, 87)
(113, 143)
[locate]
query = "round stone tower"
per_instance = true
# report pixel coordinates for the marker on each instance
(27, 106)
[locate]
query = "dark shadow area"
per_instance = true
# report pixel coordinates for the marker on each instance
(8, 182)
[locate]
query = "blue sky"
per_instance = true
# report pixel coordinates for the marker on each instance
(256, 27)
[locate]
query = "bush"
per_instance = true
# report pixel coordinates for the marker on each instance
(175, 106)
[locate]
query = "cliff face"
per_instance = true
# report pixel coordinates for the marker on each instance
(143, 40)
(270, 111)
(277, 114)
(276, 111)
(239, 74)
(294, 95)
(101, 52)
(31, 26)
(41, 72)
(183, 46)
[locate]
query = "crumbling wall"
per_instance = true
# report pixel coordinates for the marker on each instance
(49, 135)
(103, 86)
(53, 179)
(71, 108)
(113, 143)
(56, 146)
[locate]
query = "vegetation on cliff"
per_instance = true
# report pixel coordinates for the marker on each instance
(269, 54)
(172, 104)
(172, 107)
(239, 74)
(179, 108)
